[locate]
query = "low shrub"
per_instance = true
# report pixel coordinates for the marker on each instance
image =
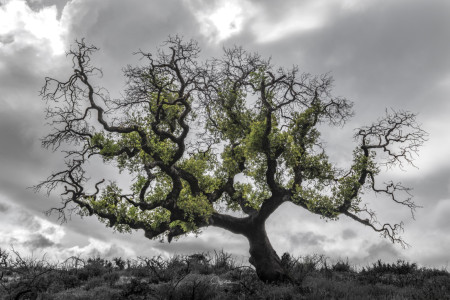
(342, 266)
(111, 278)
(137, 289)
(93, 283)
(192, 286)
(215, 276)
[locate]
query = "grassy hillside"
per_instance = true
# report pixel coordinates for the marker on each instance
(212, 276)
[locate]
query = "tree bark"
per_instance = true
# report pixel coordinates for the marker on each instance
(263, 257)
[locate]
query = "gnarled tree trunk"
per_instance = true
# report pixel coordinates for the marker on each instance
(263, 257)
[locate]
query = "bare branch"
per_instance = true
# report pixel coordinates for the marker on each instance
(397, 134)
(386, 230)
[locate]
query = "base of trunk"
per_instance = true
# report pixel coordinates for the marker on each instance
(264, 258)
(270, 271)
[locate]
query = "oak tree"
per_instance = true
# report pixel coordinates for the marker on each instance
(221, 143)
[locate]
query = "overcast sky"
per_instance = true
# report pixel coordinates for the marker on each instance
(382, 54)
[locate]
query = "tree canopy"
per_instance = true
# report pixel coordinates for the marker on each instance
(223, 142)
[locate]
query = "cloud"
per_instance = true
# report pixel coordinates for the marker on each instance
(378, 53)
(25, 231)
(96, 248)
(24, 63)
(209, 240)
(307, 238)
(384, 250)
(281, 20)
(348, 234)
(6, 39)
(441, 218)
(37, 5)
(108, 25)
(29, 233)
(17, 129)
(30, 27)
(382, 54)
(38, 241)
(220, 20)
(3, 207)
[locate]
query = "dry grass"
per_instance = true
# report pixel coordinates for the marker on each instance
(213, 276)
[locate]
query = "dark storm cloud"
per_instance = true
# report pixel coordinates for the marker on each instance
(24, 63)
(22, 68)
(121, 28)
(430, 189)
(386, 54)
(108, 253)
(443, 220)
(38, 241)
(23, 162)
(384, 250)
(307, 238)
(37, 5)
(348, 234)
(16, 135)
(4, 207)
(389, 49)
(27, 220)
(6, 39)
(440, 217)
(390, 53)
